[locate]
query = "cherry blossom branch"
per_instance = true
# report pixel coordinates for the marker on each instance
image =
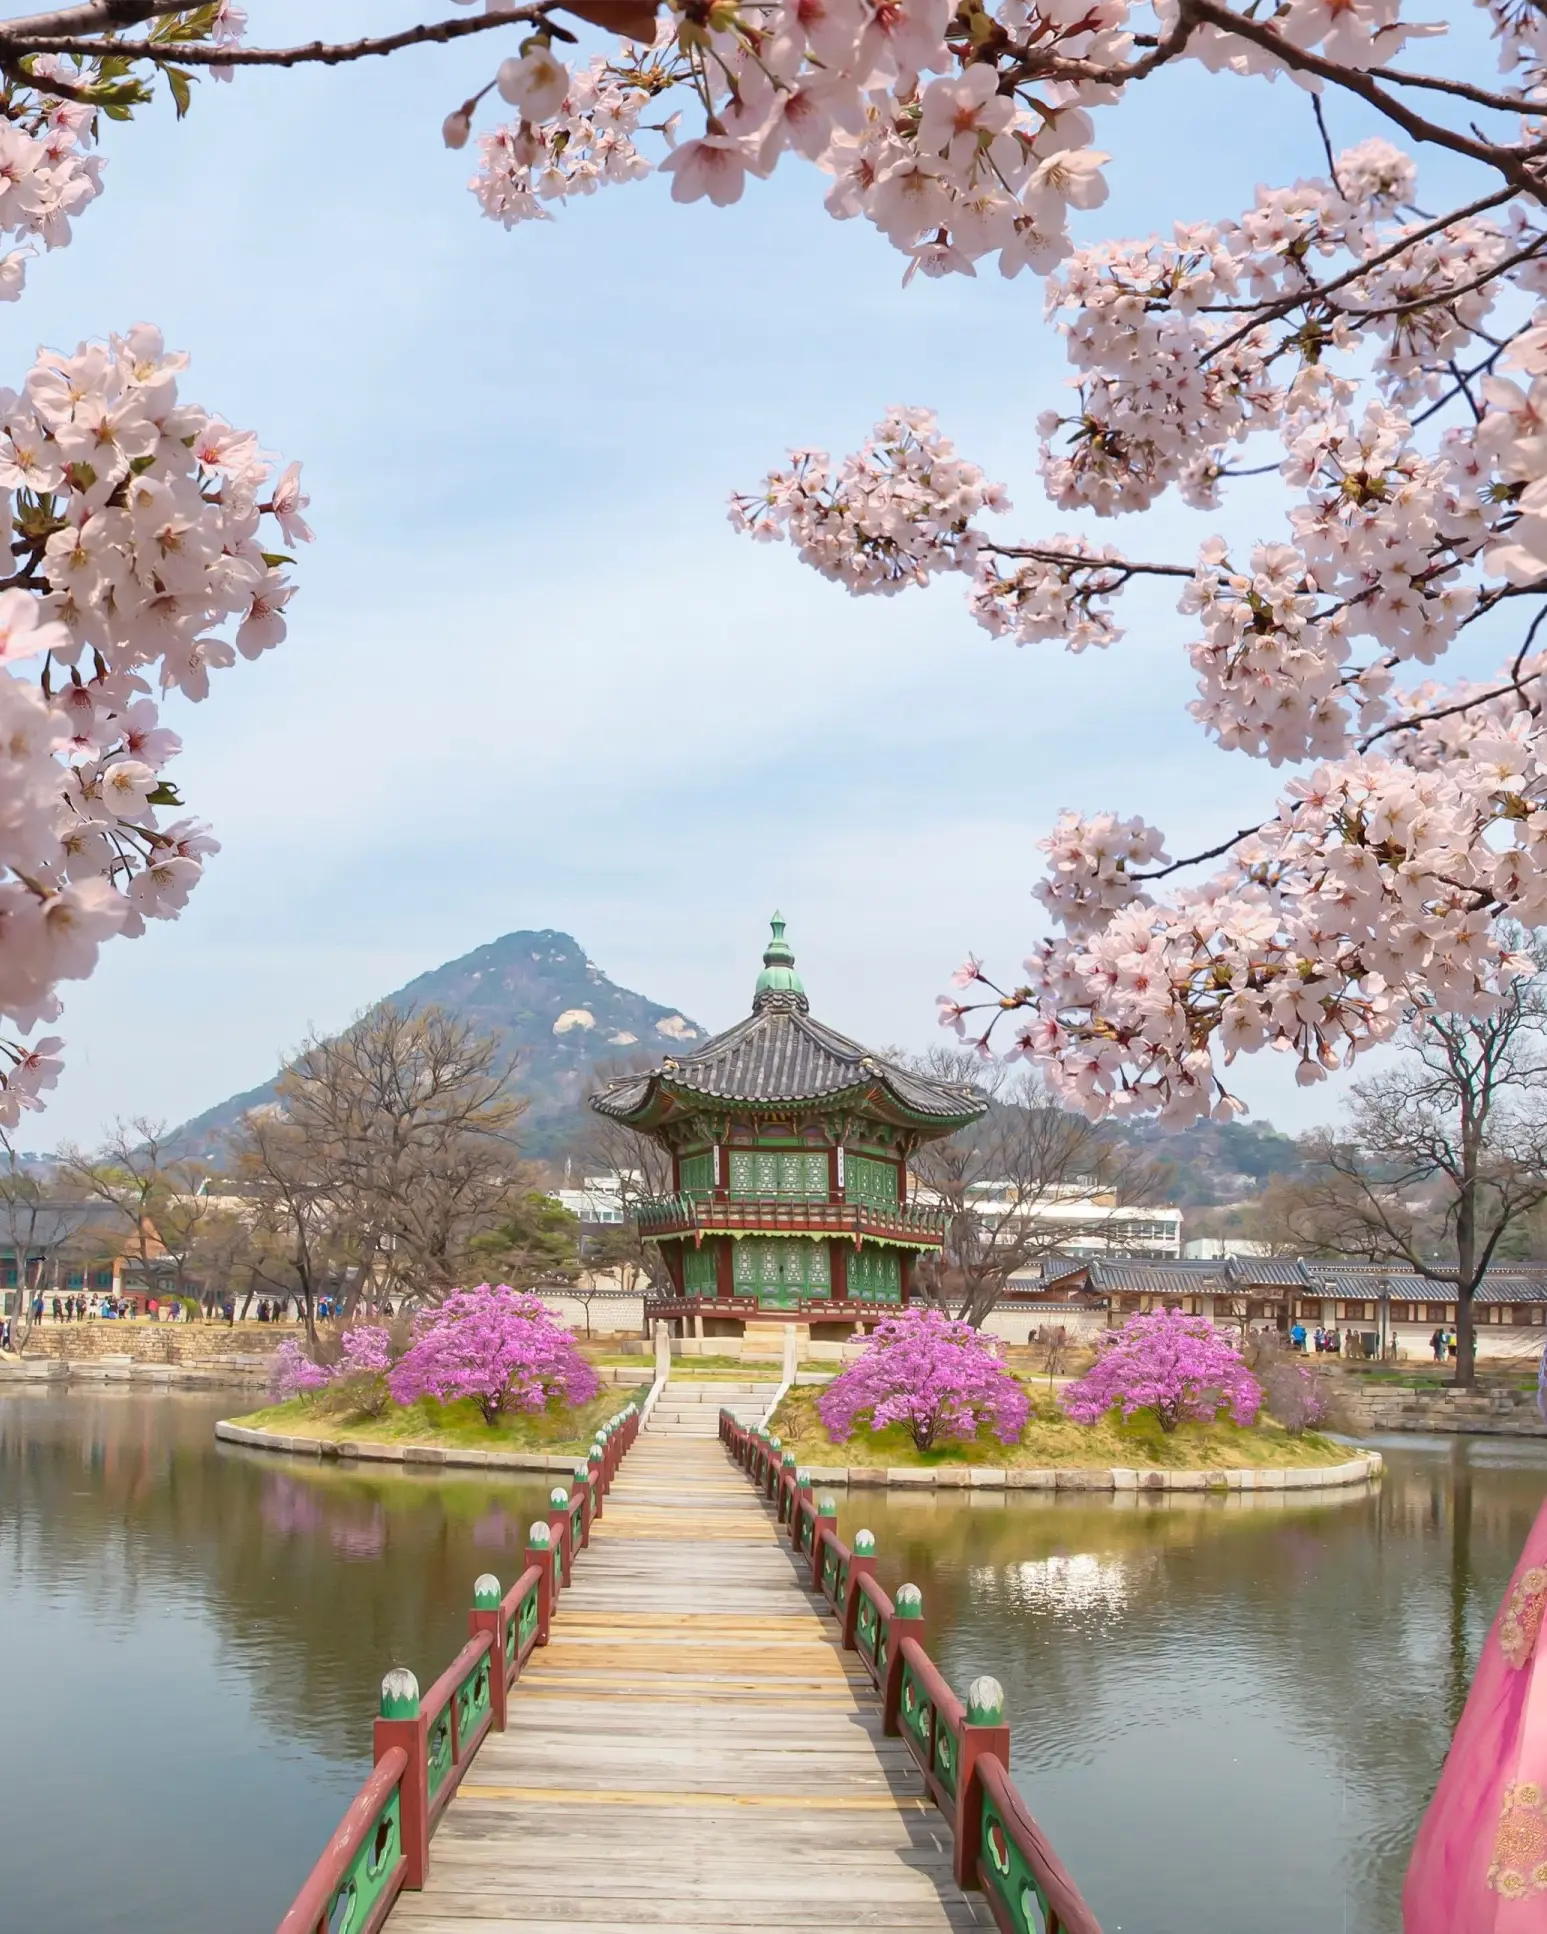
(1508, 161)
(329, 54)
(1197, 859)
(1122, 567)
(1463, 90)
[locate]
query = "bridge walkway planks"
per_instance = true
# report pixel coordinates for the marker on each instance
(692, 1750)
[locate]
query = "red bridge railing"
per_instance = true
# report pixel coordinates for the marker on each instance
(961, 1751)
(425, 1743)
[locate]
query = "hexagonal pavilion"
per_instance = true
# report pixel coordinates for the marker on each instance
(790, 1147)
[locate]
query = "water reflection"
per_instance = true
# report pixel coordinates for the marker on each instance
(1229, 1716)
(1228, 1713)
(193, 1637)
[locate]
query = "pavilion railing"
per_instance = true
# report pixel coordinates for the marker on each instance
(962, 1751)
(684, 1213)
(424, 1745)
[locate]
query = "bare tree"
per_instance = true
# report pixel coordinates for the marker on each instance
(391, 1147)
(157, 1192)
(1443, 1154)
(37, 1231)
(300, 1240)
(642, 1167)
(998, 1178)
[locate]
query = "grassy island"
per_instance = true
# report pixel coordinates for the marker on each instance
(458, 1425)
(1052, 1441)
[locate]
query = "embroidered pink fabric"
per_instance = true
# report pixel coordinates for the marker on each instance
(1479, 1864)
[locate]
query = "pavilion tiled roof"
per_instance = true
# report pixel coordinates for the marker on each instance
(780, 1054)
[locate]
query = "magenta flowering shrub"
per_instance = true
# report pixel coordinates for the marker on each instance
(498, 1346)
(293, 1374)
(365, 1356)
(940, 1378)
(1293, 1393)
(1178, 1366)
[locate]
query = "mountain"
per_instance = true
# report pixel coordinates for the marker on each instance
(548, 1003)
(1212, 1162)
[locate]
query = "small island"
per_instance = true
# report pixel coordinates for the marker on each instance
(486, 1377)
(1169, 1403)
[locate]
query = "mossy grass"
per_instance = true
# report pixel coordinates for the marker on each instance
(1052, 1441)
(442, 1426)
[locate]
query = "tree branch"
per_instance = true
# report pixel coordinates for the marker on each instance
(207, 54)
(1509, 161)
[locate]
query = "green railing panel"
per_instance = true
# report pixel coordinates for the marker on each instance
(829, 1570)
(472, 1697)
(945, 1757)
(917, 1714)
(843, 1584)
(1007, 1872)
(438, 1747)
(866, 1627)
(512, 1643)
(526, 1618)
(369, 1874)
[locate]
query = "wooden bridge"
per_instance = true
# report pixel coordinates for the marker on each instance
(694, 1709)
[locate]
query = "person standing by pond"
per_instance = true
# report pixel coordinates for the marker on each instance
(1479, 1864)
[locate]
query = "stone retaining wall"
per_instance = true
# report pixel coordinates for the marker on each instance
(1361, 1469)
(144, 1342)
(1363, 1409)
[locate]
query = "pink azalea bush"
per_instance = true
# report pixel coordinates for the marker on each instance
(1177, 1366)
(292, 1373)
(498, 1346)
(365, 1356)
(940, 1378)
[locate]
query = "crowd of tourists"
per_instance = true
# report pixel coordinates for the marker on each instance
(1323, 1342)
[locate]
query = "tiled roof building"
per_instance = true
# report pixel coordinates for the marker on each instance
(790, 1146)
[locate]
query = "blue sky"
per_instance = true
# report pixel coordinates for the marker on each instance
(533, 679)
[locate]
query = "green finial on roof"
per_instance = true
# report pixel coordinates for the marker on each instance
(779, 975)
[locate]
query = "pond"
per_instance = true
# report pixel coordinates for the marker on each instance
(1228, 1716)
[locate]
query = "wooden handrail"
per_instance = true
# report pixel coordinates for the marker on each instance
(433, 1702)
(996, 1844)
(1066, 1909)
(313, 1907)
(399, 1781)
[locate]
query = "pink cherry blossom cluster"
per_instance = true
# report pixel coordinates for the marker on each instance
(894, 515)
(941, 1379)
(139, 562)
(1333, 320)
(1178, 1367)
(47, 172)
(983, 159)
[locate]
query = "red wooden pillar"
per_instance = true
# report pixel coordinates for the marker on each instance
(840, 1269)
(540, 1552)
(724, 1268)
(488, 1616)
(580, 1486)
(907, 1621)
(560, 1530)
(598, 1488)
(802, 1490)
(826, 1520)
(401, 1723)
(862, 1564)
(983, 1731)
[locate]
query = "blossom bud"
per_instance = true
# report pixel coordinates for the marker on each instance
(456, 127)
